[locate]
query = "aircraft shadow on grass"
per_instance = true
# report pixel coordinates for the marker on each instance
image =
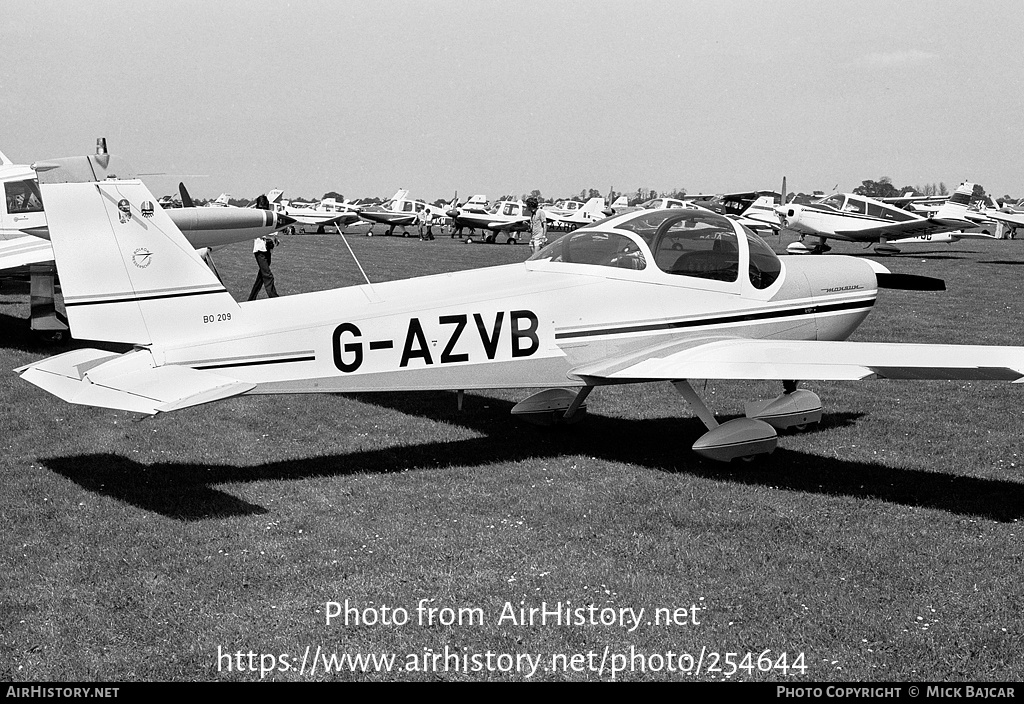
(1004, 262)
(188, 492)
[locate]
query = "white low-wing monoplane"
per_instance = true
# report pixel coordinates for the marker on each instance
(651, 295)
(853, 218)
(400, 211)
(321, 215)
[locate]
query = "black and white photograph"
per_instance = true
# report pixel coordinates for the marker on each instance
(482, 341)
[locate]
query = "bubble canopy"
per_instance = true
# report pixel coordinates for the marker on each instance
(684, 242)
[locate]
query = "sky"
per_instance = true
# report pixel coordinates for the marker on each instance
(481, 96)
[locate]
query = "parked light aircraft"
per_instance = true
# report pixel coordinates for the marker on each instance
(509, 217)
(853, 218)
(222, 201)
(618, 204)
(755, 209)
(24, 234)
(477, 203)
(592, 211)
(399, 211)
(506, 217)
(321, 215)
(561, 208)
(1007, 218)
(652, 295)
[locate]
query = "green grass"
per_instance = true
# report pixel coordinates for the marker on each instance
(886, 545)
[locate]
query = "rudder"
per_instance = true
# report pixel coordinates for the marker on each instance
(126, 271)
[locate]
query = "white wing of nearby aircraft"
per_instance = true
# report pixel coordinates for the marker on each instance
(853, 218)
(651, 295)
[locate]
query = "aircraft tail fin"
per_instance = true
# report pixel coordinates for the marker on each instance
(955, 208)
(760, 203)
(4, 161)
(400, 194)
(186, 199)
(275, 194)
(594, 205)
(127, 272)
(223, 199)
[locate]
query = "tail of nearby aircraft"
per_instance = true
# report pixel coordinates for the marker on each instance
(760, 204)
(274, 195)
(186, 198)
(223, 199)
(400, 194)
(127, 272)
(956, 207)
(4, 161)
(594, 205)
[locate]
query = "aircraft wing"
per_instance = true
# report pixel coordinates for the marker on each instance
(343, 219)
(127, 382)
(22, 251)
(517, 225)
(741, 358)
(1015, 219)
(907, 228)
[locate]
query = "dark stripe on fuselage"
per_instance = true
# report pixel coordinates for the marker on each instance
(741, 318)
(136, 299)
(311, 358)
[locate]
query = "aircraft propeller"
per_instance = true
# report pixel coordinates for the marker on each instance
(904, 282)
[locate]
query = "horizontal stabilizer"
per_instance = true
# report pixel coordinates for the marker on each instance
(128, 382)
(23, 251)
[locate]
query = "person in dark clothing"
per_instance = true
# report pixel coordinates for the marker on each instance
(261, 249)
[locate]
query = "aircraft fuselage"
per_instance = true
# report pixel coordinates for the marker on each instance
(521, 325)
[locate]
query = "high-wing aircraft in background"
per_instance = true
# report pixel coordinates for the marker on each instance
(853, 218)
(24, 234)
(399, 211)
(652, 295)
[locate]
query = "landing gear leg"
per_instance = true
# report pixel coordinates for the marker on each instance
(743, 438)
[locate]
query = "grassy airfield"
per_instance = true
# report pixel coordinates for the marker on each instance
(886, 545)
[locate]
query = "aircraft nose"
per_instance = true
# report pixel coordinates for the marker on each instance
(786, 213)
(282, 220)
(452, 212)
